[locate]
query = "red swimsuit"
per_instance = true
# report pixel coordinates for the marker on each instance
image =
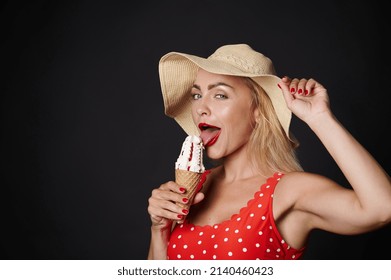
(250, 234)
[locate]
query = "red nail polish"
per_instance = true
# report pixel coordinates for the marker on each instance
(306, 92)
(185, 211)
(185, 199)
(299, 91)
(180, 216)
(182, 189)
(292, 90)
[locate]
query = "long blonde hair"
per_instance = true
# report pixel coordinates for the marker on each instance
(269, 147)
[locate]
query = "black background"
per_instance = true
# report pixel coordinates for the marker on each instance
(84, 138)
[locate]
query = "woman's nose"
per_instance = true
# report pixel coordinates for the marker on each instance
(203, 108)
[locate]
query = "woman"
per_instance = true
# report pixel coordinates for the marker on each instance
(258, 203)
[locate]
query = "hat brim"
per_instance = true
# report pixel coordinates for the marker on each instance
(178, 72)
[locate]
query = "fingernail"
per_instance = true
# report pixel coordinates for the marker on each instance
(292, 90)
(185, 199)
(306, 92)
(182, 189)
(185, 211)
(279, 85)
(180, 216)
(299, 91)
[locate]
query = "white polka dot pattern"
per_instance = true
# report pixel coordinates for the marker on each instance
(249, 234)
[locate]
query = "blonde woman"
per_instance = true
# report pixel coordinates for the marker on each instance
(258, 203)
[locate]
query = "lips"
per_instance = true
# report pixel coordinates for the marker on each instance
(209, 133)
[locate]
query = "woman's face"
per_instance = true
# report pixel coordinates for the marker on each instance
(222, 109)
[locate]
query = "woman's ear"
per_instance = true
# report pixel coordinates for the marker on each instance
(257, 115)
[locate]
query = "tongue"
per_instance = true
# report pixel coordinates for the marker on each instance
(207, 135)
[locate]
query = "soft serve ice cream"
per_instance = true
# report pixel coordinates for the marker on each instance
(189, 166)
(191, 156)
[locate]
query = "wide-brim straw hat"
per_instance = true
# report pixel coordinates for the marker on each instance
(177, 72)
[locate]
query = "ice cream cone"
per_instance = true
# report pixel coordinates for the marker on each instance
(190, 180)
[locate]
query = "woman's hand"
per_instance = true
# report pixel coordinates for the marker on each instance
(163, 208)
(305, 98)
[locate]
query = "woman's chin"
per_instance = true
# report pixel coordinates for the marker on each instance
(213, 156)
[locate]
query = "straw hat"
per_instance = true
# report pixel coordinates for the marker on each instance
(178, 71)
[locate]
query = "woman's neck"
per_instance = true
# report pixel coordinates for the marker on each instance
(238, 166)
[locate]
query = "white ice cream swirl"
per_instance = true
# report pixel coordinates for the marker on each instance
(191, 156)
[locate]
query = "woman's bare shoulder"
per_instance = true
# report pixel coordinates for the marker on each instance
(302, 177)
(294, 185)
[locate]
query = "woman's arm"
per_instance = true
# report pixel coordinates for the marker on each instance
(163, 212)
(337, 209)
(158, 243)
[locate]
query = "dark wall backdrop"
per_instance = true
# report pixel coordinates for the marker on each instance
(84, 139)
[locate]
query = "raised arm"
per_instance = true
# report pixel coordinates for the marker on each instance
(368, 206)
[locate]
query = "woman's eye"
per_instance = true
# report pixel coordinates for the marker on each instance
(221, 96)
(195, 96)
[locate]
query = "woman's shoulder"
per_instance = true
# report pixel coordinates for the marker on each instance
(304, 179)
(301, 176)
(295, 184)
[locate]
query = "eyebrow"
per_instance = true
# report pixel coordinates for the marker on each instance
(213, 86)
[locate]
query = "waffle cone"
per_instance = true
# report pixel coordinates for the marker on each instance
(190, 181)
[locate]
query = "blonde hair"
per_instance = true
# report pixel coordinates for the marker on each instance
(269, 147)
